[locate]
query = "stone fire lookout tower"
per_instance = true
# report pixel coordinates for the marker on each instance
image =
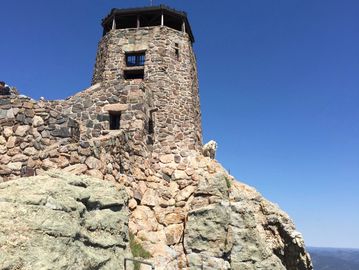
(147, 72)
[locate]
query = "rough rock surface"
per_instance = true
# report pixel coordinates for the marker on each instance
(62, 221)
(240, 230)
(195, 215)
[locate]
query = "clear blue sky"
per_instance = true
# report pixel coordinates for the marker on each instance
(279, 85)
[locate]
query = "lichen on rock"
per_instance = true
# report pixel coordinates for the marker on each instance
(241, 231)
(62, 221)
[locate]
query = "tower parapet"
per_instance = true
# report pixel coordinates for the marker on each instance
(147, 16)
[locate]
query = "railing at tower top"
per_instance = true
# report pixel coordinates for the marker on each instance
(138, 261)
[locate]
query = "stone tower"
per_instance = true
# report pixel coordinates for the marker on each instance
(146, 58)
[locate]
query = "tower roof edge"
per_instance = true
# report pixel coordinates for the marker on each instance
(149, 9)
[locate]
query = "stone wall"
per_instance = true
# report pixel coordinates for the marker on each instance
(91, 107)
(34, 137)
(26, 129)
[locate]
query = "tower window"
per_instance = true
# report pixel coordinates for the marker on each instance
(135, 59)
(151, 126)
(115, 118)
(131, 74)
(151, 131)
(177, 50)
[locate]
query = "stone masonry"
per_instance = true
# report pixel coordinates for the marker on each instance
(170, 83)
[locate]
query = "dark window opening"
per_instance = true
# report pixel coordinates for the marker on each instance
(150, 19)
(174, 22)
(135, 59)
(134, 74)
(127, 22)
(115, 119)
(151, 127)
(177, 50)
(150, 140)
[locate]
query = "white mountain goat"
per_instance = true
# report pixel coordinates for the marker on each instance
(209, 149)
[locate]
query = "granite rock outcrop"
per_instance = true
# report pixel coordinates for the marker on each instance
(62, 221)
(240, 230)
(210, 220)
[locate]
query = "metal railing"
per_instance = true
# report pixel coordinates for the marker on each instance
(138, 261)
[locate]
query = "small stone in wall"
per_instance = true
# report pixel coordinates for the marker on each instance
(177, 159)
(95, 173)
(150, 198)
(47, 164)
(30, 151)
(132, 204)
(3, 149)
(62, 161)
(4, 170)
(76, 169)
(15, 166)
(21, 130)
(37, 121)
(185, 193)
(94, 163)
(4, 159)
(19, 158)
(167, 158)
(173, 233)
(11, 142)
(8, 131)
(110, 177)
(178, 174)
(174, 218)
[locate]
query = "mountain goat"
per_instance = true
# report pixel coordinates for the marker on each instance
(209, 149)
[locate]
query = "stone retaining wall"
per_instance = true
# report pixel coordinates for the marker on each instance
(37, 138)
(92, 106)
(28, 128)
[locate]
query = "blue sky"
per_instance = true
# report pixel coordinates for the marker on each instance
(279, 86)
